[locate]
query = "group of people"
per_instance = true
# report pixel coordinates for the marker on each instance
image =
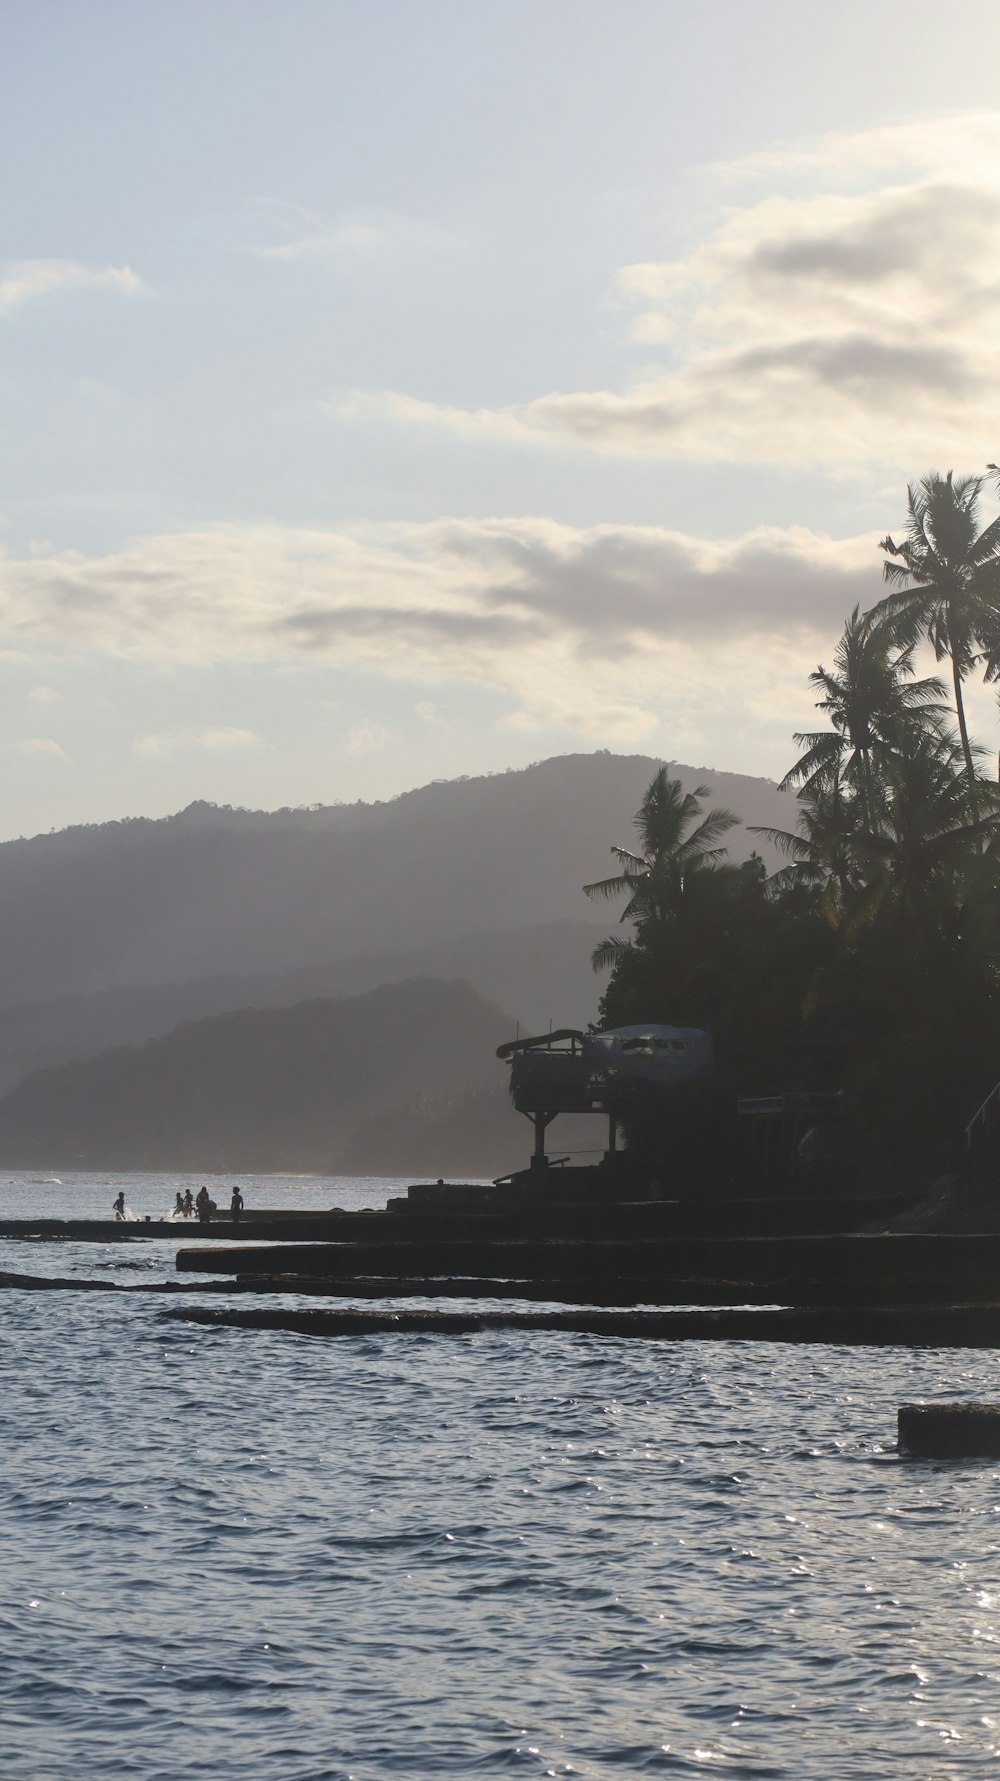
(187, 1204)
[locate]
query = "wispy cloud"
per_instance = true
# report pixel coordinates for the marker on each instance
(44, 745)
(23, 280)
(843, 318)
(367, 738)
(229, 737)
(962, 141)
(512, 425)
(167, 742)
(162, 742)
(299, 233)
(42, 695)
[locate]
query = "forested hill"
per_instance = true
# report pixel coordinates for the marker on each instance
(215, 891)
(320, 1086)
(539, 973)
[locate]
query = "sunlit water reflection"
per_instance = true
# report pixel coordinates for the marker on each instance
(232, 1553)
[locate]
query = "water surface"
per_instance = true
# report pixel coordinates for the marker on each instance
(233, 1553)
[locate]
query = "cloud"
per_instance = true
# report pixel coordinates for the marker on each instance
(166, 742)
(604, 631)
(22, 280)
(42, 695)
(301, 234)
(229, 737)
(961, 140)
(41, 745)
(508, 424)
(367, 738)
(844, 317)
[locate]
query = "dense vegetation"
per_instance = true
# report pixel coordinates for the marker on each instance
(871, 961)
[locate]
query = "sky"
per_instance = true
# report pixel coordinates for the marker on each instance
(400, 389)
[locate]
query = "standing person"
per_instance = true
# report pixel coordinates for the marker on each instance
(236, 1205)
(119, 1208)
(204, 1205)
(179, 1211)
(188, 1206)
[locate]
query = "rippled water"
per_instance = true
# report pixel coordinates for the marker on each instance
(232, 1553)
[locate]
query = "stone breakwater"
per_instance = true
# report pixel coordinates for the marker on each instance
(933, 1327)
(571, 1242)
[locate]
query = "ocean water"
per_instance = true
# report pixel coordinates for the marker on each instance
(232, 1553)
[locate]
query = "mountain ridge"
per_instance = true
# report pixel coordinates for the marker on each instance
(303, 1088)
(212, 892)
(543, 973)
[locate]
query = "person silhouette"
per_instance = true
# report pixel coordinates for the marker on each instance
(119, 1208)
(236, 1205)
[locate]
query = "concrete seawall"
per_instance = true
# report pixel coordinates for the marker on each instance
(876, 1269)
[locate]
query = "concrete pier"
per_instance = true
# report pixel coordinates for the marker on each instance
(455, 1211)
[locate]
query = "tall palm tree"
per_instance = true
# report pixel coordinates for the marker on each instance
(657, 879)
(933, 831)
(872, 703)
(945, 577)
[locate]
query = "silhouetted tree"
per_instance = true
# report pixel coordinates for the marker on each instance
(821, 851)
(932, 828)
(872, 703)
(945, 577)
(662, 881)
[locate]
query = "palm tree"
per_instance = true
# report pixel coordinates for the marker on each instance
(872, 704)
(659, 880)
(946, 581)
(821, 852)
(933, 831)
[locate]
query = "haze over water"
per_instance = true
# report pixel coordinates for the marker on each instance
(232, 1553)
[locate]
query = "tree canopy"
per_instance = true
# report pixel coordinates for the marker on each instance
(870, 960)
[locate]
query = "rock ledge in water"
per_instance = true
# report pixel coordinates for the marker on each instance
(949, 1431)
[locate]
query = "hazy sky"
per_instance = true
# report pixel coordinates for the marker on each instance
(394, 389)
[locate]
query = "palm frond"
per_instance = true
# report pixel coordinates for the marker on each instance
(823, 750)
(716, 823)
(788, 878)
(605, 890)
(986, 546)
(632, 863)
(784, 840)
(610, 952)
